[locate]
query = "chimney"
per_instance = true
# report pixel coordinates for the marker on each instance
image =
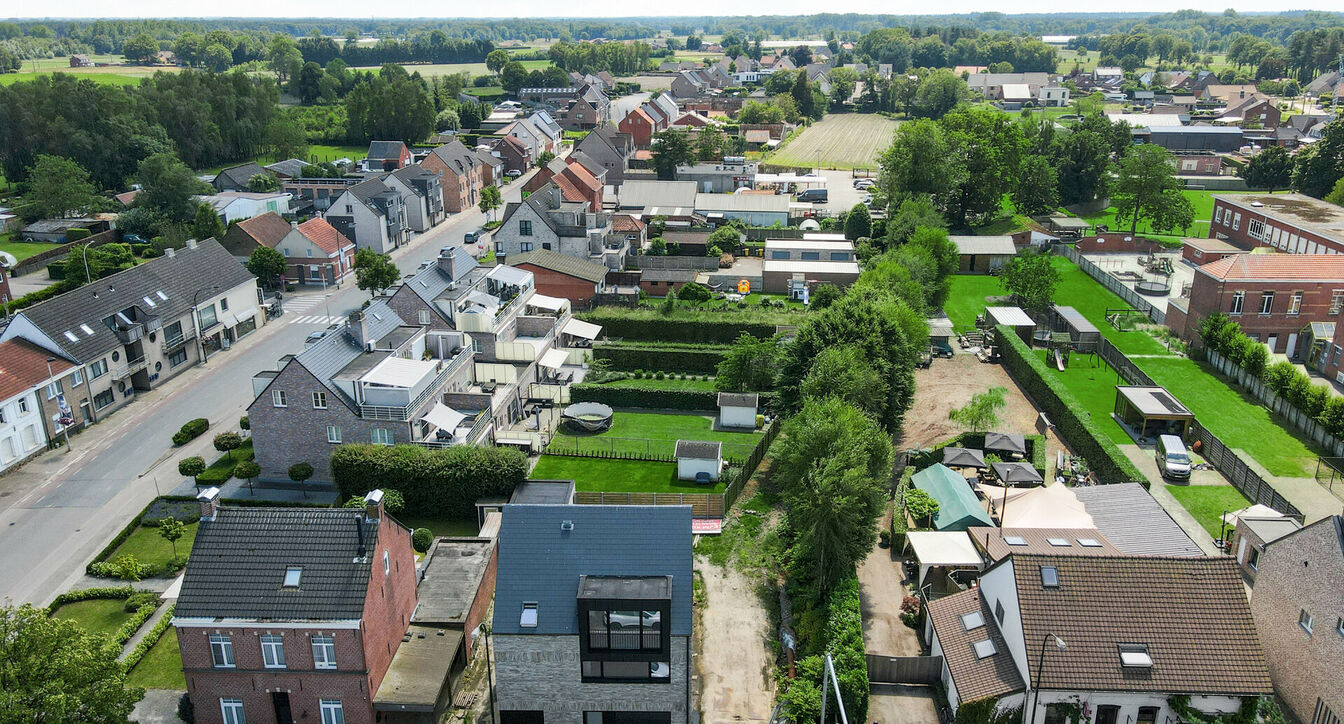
(294, 224)
(170, 252)
(209, 500)
(191, 243)
(358, 328)
(446, 262)
(373, 505)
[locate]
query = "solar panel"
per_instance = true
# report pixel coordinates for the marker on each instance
(1168, 402)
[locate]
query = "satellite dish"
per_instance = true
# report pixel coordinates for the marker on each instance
(8, 260)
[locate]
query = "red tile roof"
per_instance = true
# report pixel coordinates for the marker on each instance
(324, 235)
(267, 229)
(640, 113)
(1322, 267)
(568, 188)
(976, 678)
(582, 176)
(23, 365)
(627, 223)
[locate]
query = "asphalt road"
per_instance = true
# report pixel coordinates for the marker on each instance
(59, 510)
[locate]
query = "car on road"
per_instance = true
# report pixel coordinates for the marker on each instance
(471, 237)
(513, 173)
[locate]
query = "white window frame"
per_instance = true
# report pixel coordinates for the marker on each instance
(1238, 303)
(380, 436)
(424, 316)
(1306, 621)
(332, 713)
(23, 405)
(77, 377)
(319, 400)
(222, 644)
(1236, 222)
(1266, 303)
(231, 711)
(273, 651)
(278, 398)
(97, 369)
(1295, 304)
(324, 652)
(54, 389)
(334, 434)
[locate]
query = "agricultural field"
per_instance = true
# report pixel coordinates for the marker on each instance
(839, 141)
(430, 70)
(113, 74)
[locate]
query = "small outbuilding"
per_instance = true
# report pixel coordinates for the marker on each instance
(958, 508)
(1082, 334)
(1152, 411)
(738, 409)
(983, 254)
(1014, 317)
(697, 458)
(940, 555)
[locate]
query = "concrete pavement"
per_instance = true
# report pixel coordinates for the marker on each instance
(59, 510)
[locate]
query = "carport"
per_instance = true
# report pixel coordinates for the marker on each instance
(1014, 317)
(1151, 411)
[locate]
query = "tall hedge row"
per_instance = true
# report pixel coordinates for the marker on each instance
(704, 360)
(1074, 423)
(435, 482)
(654, 399)
(647, 324)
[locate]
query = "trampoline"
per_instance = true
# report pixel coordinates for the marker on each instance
(587, 417)
(1153, 288)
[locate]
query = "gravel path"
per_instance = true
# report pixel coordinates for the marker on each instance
(734, 661)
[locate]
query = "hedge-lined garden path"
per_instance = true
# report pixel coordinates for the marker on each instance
(144, 630)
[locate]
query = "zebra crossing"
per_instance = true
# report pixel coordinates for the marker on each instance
(321, 319)
(299, 305)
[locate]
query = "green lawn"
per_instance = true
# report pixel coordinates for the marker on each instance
(618, 476)
(1207, 503)
(102, 78)
(655, 433)
(150, 548)
(1093, 382)
(161, 668)
(664, 384)
(440, 526)
(1201, 200)
(967, 298)
(23, 249)
(98, 615)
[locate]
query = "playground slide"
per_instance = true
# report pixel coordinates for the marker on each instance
(1059, 360)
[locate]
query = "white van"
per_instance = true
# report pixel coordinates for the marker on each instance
(1173, 460)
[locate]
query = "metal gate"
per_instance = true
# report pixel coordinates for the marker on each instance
(904, 669)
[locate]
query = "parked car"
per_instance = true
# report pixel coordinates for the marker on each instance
(513, 173)
(864, 183)
(814, 196)
(1173, 460)
(133, 239)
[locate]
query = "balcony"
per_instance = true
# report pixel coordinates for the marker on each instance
(171, 344)
(131, 367)
(405, 412)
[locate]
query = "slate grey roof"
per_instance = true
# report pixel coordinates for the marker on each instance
(334, 352)
(698, 449)
(238, 176)
(365, 191)
(739, 399)
(457, 156)
(379, 150)
(1131, 519)
(589, 163)
(238, 563)
(562, 264)
(410, 171)
(539, 562)
(453, 571)
(431, 282)
(178, 277)
(291, 167)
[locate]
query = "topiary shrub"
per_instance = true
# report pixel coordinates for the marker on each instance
(190, 431)
(421, 539)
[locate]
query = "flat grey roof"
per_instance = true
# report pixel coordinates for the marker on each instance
(1271, 529)
(419, 670)
(543, 492)
(452, 576)
(1001, 245)
(1075, 319)
(1154, 402)
(1300, 210)
(1011, 316)
(1130, 518)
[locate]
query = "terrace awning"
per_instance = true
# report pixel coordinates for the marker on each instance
(960, 457)
(943, 548)
(444, 417)
(1006, 442)
(1017, 474)
(554, 359)
(1052, 506)
(541, 301)
(580, 328)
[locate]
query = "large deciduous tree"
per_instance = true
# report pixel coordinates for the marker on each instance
(671, 149)
(1146, 188)
(750, 365)
(1321, 165)
(373, 271)
(267, 265)
(1037, 189)
(1271, 169)
(58, 187)
(167, 188)
(1032, 279)
(858, 223)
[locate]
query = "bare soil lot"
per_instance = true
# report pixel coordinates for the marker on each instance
(735, 663)
(844, 141)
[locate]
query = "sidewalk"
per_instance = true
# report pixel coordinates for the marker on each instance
(144, 629)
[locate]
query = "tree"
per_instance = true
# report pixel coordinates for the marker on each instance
(263, 183)
(750, 365)
(140, 49)
(447, 120)
(168, 187)
(171, 529)
(723, 240)
(193, 466)
(1336, 195)
(1082, 166)
(496, 59)
(919, 161)
(285, 137)
(1032, 279)
(299, 472)
(1146, 188)
(826, 295)
(671, 149)
(57, 671)
(843, 81)
(227, 442)
(858, 223)
(990, 147)
(216, 57)
(802, 95)
(709, 143)
(920, 505)
(1321, 164)
(695, 293)
(1037, 188)
(267, 265)
(843, 373)
(283, 57)
(912, 213)
(247, 470)
(1270, 169)
(982, 412)
(490, 199)
(374, 271)
(58, 187)
(513, 76)
(207, 224)
(544, 158)
(939, 92)
(95, 262)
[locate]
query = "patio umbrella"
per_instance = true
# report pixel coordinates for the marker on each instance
(961, 457)
(1255, 511)
(1052, 506)
(1006, 442)
(1017, 474)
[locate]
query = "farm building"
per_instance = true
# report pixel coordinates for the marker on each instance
(1013, 317)
(1151, 411)
(696, 458)
(1084, 335)
(983, 254)
(738, 409)
(958, 508)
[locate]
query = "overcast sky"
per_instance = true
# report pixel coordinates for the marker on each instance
(598, 8)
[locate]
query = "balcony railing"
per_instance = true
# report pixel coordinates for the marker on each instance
(404, 413)
(131, 367)
(173, 343)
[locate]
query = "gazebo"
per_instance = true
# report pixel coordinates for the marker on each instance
(1010, 443)
(958, 508)
(960, 457)
(1152, 411)
(946, 550)
(1014, 474)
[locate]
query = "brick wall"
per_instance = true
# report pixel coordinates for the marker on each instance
(1303, 571)
(481, 604)
(555, 284)
(1209, 295)
(390, 599)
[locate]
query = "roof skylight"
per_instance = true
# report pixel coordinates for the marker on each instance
(984, 648)
(71, 336)
(1015, 540)
(1049, 576)
(972, 621)
(1135, 656)
(1089, 543)
(1058, 542)
(86, 329)
(529, 617)
(292, 576)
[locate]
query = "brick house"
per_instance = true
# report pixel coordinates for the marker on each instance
(459, 174)
(1272, 296)
(611, 149)
(593, 613)
(574, 180)
(516, 155)
(244, 237)
(387, 155)
(1255, 530)
(1198, 163)
(639, 125)
(1198, 252)
(1293, 223)
(236, 178)
(561, 275)
(293, 614)
(1299, 615)
(422, 194)
(316, 253)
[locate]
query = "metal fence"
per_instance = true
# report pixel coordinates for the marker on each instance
(1120, 363)
(1131, 297)
(703, 505)
(904, 669)
(1330, 475)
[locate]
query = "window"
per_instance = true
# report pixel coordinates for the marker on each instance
(811, 256)
(524, 228)
(1108, 714)
(998, 611)
(1336, 301)
(1056, 714)
(1236, 221)
(1058, 542)
(286, 252)
(1306, 621)
(221, 651)
(1253, 560)
(319, 400)
(1295, 304)
(272, 651)
(1238, 299)
(206, 317)
(1256, 229)
(382, 436)
(1135, 656)
(97, 369)
(1147, 715)
(103, 399)
(477, 346)
(1015, 540)
(278, 398)
(387, 562)
(1323, 714)
(77, 378)
(224, 305)
(54, 389)
(526, 246)
(424, 316)
(529, 617)
(23, 405)
(1266, 302)
(1339, 626)
(333, 434)
(332, 712)
(177, 357)
(984, 648)
(1218, 215)
(627, 670)
(1049, 576)
(324, 652)
(232, 710)
(629, 630)
(972, 621)
(292, 576)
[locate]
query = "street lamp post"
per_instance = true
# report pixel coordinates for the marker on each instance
(196, 321)
(88, 279)
(51, 380)
(1036, 702)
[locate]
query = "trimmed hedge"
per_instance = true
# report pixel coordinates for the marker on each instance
(40, 295)
(106, 593)
(844, 639)
(148, 641)
(701, 359)
(434, 482)
(190, 431)
(698, 400)
(713, 327)
(134, 623)
(1074, 423)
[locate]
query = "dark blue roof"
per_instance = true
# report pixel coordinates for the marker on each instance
(539, 562)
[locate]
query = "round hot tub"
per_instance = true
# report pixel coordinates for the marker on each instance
(587, 417)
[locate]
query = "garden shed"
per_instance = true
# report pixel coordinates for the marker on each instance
(958, 508)
(738, 409)
(1083, 334)
(696, 457)
(1013, 317)
(1151, 411)
(983, 254)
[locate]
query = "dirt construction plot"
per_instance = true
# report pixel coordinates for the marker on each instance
(844, 141)
(881, 589)
(735, 663)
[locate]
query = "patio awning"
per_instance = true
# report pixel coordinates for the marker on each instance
(1006, 442)
(1017, 473)
(1053, 506)
(1255, 511)
(541, 301)
(943, 548)
(580, 328)
(960, 457)
(444, 417)
(554, 359)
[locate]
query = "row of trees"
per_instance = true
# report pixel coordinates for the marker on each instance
(955, 47)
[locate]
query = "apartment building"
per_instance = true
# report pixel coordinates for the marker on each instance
(372, 214)
(1292, 223)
